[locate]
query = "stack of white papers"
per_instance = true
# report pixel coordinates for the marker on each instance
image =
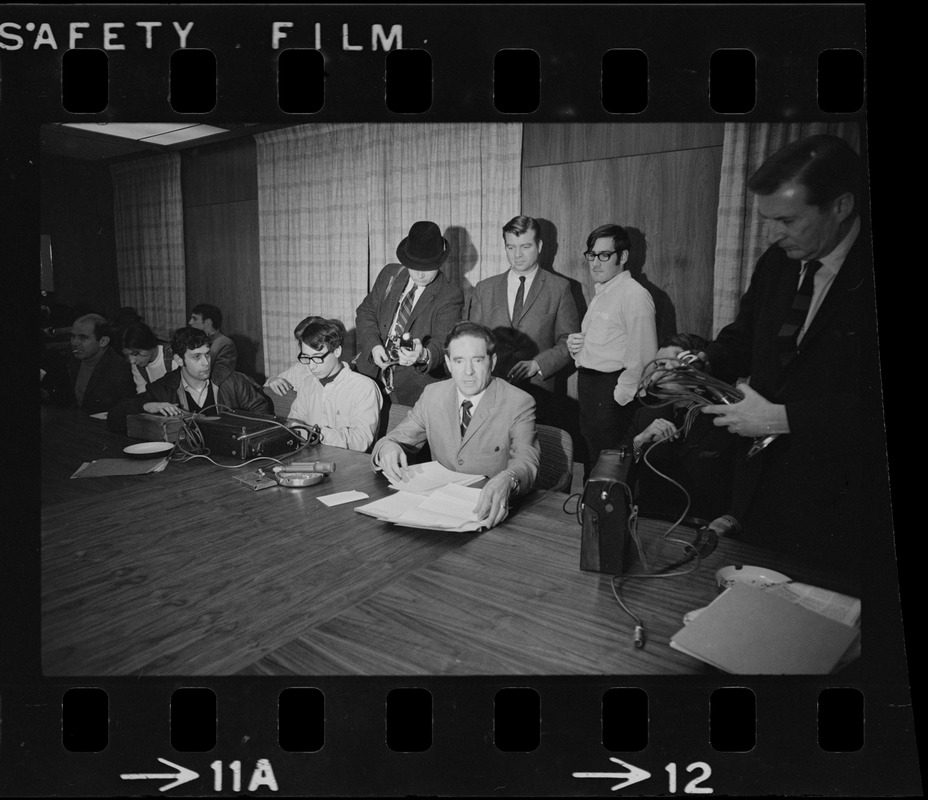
(447, 508)
(426, 478)
(751, 631)
(119, 466)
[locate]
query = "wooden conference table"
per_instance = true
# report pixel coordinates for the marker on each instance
(190, 572)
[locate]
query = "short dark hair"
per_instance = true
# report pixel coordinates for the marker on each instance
(826, 165)
(138, 336)
(521, 225)
(685, 341)
(467, 328)
(208, 312)
(617, 233)
(101, 326)
(188, 338)
(301, 326)
(328, 333)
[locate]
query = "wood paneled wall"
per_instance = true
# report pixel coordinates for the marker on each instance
(658, 180)
(77, 212)
(220, 190)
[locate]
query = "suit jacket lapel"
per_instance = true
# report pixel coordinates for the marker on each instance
(849, 279)
(392, 300)
(425, 299)
(533, 292)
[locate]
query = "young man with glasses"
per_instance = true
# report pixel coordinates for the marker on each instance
(618, 337)
(344, 404)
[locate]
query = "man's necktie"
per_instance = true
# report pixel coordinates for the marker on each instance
(796, 317)
(143, 371)
(520, 299)
(402, 317)
(465, 415)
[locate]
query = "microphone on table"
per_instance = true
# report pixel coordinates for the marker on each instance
(323, 467)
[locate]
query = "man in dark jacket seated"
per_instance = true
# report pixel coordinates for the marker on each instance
(194, 387)
(683, 445)
(96, 378)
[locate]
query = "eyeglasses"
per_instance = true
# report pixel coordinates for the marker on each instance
(605, 255)
(303, 358)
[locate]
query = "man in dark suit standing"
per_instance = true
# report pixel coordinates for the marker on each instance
(222, 350)
(805, 335)
(412, 298)
(531, 312)
(99, 377)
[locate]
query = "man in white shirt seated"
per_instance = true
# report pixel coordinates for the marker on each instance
(474, 423)
(344, 404)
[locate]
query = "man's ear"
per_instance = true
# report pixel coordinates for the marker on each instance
(338, 351)
(104, 341)
(624, 258)
(540, 245)
(492, 361)
(178, 361)
(448, 364)
(844, 206)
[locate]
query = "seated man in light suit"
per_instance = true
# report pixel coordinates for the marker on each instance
(474, 423)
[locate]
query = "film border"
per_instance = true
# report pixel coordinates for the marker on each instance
(458, 38)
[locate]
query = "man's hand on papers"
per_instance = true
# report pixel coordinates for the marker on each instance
(494, 500)
(392, 460)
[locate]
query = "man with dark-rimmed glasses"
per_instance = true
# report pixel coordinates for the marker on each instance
(344, 404)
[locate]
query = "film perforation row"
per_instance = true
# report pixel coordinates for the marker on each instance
(515, 723)
(516, 79)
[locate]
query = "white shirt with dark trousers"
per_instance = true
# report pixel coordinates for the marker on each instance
(346, 408)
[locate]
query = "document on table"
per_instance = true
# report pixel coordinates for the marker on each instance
(428, 477)
(448, 508)
(119, 466)
(752, 631)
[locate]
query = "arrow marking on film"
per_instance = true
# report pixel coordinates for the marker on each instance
(632, 774)
(183, 775)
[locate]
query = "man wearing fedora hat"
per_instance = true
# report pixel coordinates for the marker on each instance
(412, 298)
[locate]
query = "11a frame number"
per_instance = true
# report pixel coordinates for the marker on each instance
(693, 786)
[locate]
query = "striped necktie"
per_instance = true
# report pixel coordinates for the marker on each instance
(402, 316)
(787, 339)
(520, 299)
(465, 415)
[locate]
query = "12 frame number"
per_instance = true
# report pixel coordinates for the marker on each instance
(693, 786)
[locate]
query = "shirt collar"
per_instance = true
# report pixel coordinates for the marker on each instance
(336, 376)
(529, 276)
(833, 261)
(474, 399)
(599, 288)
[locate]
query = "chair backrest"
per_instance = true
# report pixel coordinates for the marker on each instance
(391, 416)
(557, 459)
(281, 403)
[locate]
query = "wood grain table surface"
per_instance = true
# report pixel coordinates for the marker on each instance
(190, 572)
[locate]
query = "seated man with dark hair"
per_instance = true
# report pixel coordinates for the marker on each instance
(222, 350)
(474, 423)
(193, 387)
(344, 404)
(98, 377)
(681, 443)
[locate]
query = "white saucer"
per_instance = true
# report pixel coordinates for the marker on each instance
(149, 450)
(759, 577)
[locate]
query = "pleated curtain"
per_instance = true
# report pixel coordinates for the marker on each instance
(334, 201)
(149, 230)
